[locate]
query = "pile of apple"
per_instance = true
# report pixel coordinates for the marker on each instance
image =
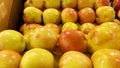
(64, 34)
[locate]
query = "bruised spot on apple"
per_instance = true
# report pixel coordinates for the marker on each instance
(106, 58)
(72, 40)
(86, 15)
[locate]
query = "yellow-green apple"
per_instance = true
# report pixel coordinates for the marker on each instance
(116, 5)
(86, 15)
(28, 27)
(105, 14)
(74, 59)
(70, 40)
(106, 58)
(69, 26)
(9, 59)
(51, 15)
(85, 3)
(99, 3)
(68, 15)
(69, 4)
(44, 38)
(52, 4)
(55, 27)
(11, 39)
(37, 58)
(106, 35)
(118, 15)
(35, 3)
(32, 15)
(86, 27)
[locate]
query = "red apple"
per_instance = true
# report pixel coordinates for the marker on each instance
(86, 15)
(99, 3)
(106, 58)
(116, 5)
(68, 15)
(74, 59)
(28, 27)
(72, 40)
(9, 59)
(69, 4)
(118, 15)
(55, 27)
(85, 3)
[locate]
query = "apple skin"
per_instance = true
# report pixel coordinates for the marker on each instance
(69, 4)
(35, 3)
(32, 15)
(55, 27)
(85, 3)
(106, 58)
(11, 39)
(106, 35)
(99, 3)
(105, 14)
(118, 15)
(51, 15)
(116, 5)
(69, 26)
(37, 58)
(44, 38)
(52, 4)
(74, 59)
(9, 59)
(68, 15)
(86, 15)
(72, 40)
(86, 27)
(28, 27)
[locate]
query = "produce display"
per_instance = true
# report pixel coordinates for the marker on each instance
(64, 34)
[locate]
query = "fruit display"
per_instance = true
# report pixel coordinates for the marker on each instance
(64, 34)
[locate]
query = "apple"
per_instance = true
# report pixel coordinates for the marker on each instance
(32, 15)
(74, 59)
(44, 38)
(118, 15)
(51, 15)
(12, 39)
(55, 27)
(9, 59)
(69, 26)
(35, 3)
(86, 27)
(116, 5)
(106, 35)
(70, 40)
(105, 14)
(85, 3)
(28, 27)
(99, 3)
(68, 15)
(52, 4)
(37, 58)
(106, 58)
(69, 4)
(86, 15)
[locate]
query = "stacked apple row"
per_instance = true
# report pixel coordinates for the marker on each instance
(86, 12)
